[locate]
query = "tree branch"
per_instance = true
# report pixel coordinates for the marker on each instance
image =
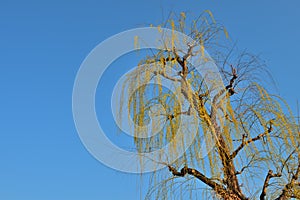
(190, 51)
(285, 191)
(185, 170)
(266, 183)
(172, 116)
(182, 62)
(229, 88)
(219, 189)
(244, 143)
(247, 166)
(166, 76)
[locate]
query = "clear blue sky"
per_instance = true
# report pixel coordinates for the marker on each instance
(42, 44)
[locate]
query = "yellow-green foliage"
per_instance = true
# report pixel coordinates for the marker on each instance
(241, 117)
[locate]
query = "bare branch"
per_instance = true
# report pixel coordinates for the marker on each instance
(172, 116)
(190, 51)
(183, 63)
(228, 88)
(287, 159)
(247, 166)
(244, 143)
(166, 76)
(285, 191)
(185, 170)
(266, 183)
(219, 189)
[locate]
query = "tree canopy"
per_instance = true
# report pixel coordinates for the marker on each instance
(245, 139)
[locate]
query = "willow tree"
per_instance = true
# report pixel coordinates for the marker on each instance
(246, 143)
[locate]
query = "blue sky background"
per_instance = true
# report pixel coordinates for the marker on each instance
(42, 44)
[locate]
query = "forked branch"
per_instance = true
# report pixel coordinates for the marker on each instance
(266, 183)
(219, 189)
(244, 143)
(285, 194)
(185, 170)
